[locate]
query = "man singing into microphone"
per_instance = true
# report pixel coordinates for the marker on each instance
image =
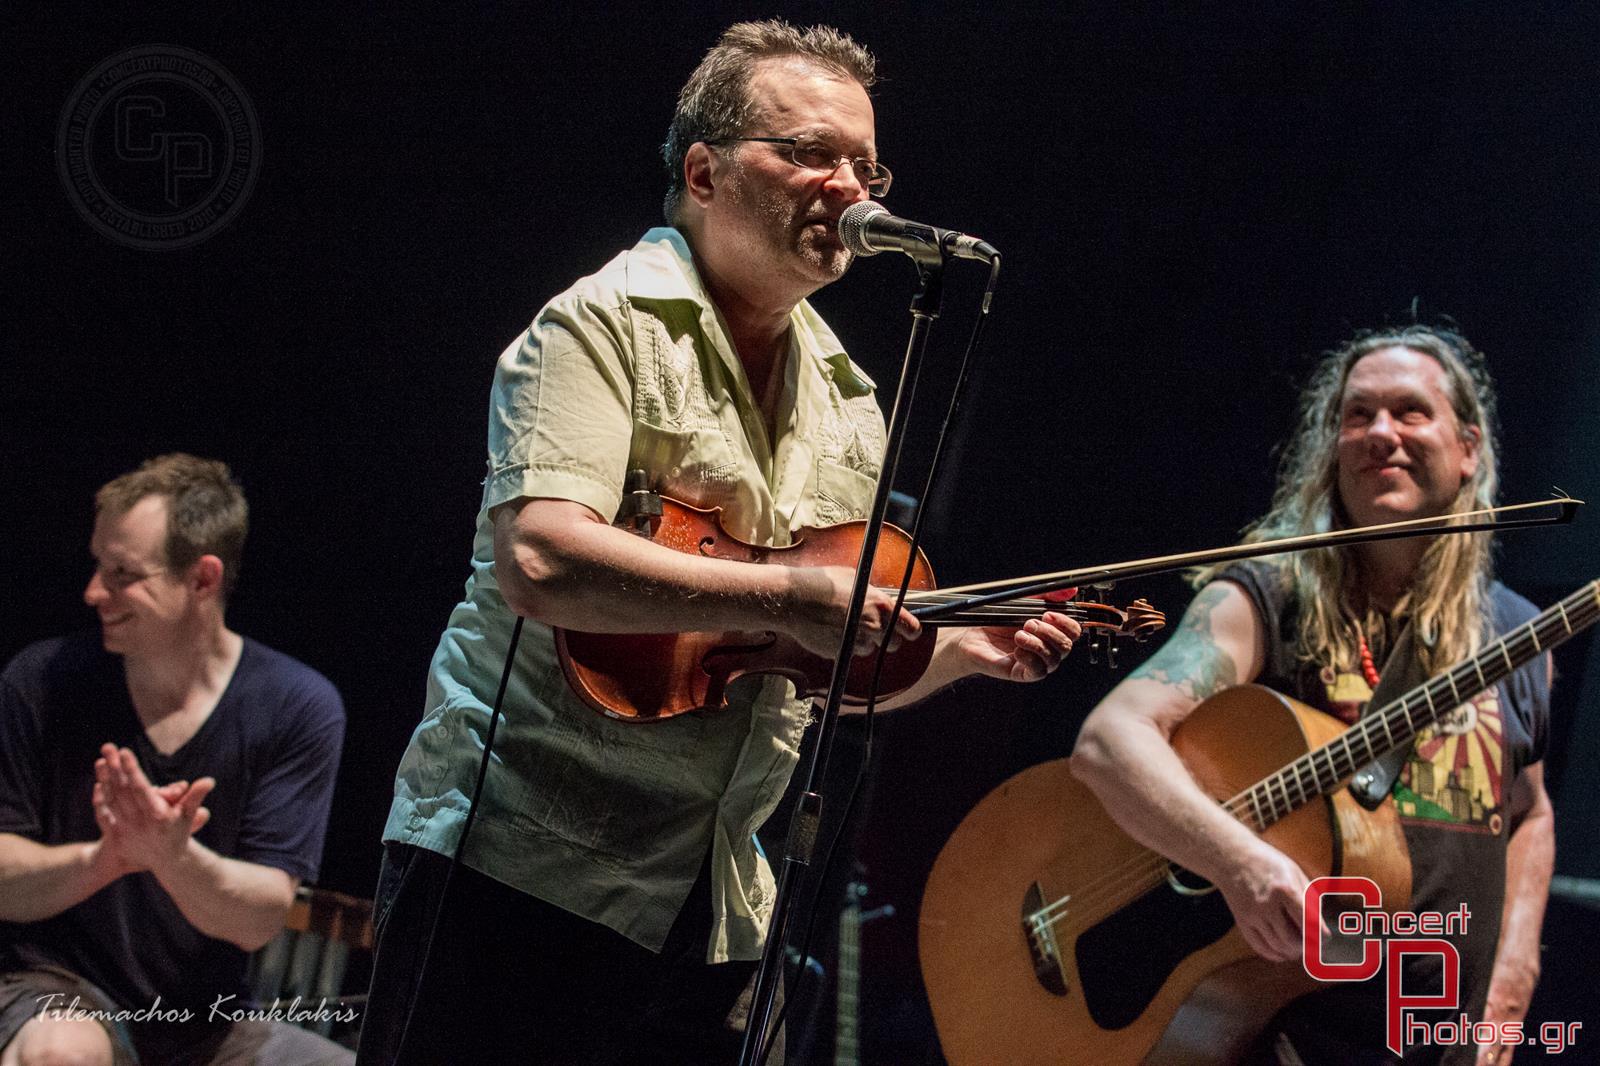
(611, 896)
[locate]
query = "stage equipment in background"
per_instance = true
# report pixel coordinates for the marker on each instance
(1584, 891)
(847, 985)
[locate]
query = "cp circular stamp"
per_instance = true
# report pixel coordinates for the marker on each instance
(158, 147)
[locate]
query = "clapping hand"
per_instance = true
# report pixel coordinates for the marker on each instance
(141, 824)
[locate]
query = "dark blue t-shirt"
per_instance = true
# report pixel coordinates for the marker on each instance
(272, 743)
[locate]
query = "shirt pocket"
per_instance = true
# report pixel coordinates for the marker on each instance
(850, 433)
(695, 465)
(843, 494)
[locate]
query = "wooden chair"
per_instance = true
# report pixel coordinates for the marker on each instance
(309, 958)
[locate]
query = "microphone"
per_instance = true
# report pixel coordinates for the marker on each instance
(866, 228)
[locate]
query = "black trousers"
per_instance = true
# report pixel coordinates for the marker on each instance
(512, 979)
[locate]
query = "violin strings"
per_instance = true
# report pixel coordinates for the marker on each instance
(1024, 608)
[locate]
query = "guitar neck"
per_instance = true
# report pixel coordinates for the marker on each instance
(1325, 770)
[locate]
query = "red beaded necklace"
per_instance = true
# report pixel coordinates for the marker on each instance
(1369, 670)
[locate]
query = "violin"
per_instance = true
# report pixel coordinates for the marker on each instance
(644, 677)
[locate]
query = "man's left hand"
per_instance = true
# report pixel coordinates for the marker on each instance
(147, 826)
(1510, 991)
(1025, 654)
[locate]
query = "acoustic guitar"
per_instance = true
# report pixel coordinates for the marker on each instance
(1048, 935)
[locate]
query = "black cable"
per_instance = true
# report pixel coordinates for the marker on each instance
(461, 843)
(883, 648)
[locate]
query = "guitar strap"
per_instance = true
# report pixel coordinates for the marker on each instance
(1402, 672)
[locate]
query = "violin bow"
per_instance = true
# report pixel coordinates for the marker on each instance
(992, 592)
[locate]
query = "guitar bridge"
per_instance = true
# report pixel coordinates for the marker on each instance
(1039, 929)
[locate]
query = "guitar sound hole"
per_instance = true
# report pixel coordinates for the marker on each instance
(1125, 959)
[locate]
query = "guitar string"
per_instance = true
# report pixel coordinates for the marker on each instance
(1146, 870)
(1147, 867)
(1241, 804)
(1136, 875)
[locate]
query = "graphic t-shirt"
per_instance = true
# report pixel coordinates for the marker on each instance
(1452, 796)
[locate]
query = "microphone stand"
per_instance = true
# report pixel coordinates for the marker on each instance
(806, 820)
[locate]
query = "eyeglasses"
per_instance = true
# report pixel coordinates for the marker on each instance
(117, 578)
(814, 155)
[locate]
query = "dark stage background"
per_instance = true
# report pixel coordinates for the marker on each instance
(1190, 206)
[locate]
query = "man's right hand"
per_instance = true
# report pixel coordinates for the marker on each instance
(1265, 889)
(825, 594)
(125, 842)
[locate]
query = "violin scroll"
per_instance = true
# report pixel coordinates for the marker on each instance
(1138, 620)
(1143, 620)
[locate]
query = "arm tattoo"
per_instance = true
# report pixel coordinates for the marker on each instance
(1191, 660)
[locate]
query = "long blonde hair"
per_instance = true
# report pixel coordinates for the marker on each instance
(1450, 597)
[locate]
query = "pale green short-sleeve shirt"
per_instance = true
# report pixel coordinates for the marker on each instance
(632, 368)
